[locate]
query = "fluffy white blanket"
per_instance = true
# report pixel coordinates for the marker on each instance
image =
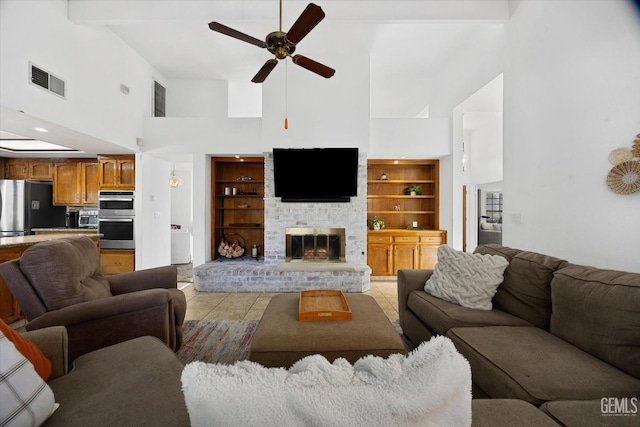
(429, 387)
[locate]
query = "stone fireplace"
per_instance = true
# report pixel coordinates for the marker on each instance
(313, 263)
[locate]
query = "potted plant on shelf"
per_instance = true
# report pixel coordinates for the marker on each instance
(413, 190)
(377, 223)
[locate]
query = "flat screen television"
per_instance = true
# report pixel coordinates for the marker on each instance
(315, 174)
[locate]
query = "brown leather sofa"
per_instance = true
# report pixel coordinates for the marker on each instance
(60, 283)
(134, 383)
(560, 335)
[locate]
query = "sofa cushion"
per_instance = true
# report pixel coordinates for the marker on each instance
(533, 365)
(133, 383)
(65, 271)
(508, 413)
(26, 400)
(441, 315)
(598, 311)
(525, 291)
(593, 413)
(496, 249)
(430, 386)
(466, 279)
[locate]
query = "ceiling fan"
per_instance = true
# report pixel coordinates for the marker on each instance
(284, 44)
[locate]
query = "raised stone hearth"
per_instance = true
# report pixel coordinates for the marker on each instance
(256, 276)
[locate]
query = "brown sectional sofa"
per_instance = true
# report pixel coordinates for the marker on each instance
(558, 332)
(132, 383)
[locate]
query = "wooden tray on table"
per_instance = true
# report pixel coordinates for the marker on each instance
(323, 305)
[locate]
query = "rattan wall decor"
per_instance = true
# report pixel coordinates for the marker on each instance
(624, 177)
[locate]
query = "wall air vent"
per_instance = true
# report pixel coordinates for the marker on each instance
(46, 80)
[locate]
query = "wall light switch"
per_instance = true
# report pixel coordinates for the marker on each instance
(156, 214)
(516, 218)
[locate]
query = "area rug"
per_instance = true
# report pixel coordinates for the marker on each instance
(185, 272)
(216, 341)
(226, 341)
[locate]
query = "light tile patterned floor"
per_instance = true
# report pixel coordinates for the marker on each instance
(250, 306)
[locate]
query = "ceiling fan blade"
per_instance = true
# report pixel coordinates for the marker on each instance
(310, 17)
(216, 26)
(314, 66)
(263, 73)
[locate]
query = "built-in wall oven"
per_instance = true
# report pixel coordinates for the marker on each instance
(116, 218)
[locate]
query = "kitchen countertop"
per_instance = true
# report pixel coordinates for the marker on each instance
(12, 242)
(65, 230)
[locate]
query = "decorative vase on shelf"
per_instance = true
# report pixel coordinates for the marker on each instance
(413, 190)
(377, 223)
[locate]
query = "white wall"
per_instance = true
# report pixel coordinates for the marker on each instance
(92, 61)
(196, 98)
(571, 95)
(414, 138)
(322, 112)
(483, 144)
(153, 212)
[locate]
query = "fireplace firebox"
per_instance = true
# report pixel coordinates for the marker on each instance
(315, 244)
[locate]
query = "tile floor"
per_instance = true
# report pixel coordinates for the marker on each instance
(250, 306)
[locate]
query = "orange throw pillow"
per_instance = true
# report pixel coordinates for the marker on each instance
(29, 350)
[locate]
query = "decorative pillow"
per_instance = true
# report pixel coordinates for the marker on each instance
(469, 280)
(29, 350)
(430, 386)
(26, 399)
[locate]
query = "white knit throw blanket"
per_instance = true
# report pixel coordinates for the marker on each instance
(429, 387)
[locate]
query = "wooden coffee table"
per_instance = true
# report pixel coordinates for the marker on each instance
(281, 340)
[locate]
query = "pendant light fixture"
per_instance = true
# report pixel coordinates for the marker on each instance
(174, 181)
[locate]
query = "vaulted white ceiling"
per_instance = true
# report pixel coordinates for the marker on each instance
(410, 43)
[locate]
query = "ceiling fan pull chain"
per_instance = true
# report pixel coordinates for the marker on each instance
(286, 94)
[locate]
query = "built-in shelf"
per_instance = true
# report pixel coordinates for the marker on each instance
(387, 198)
(230, 220)
(400, 244)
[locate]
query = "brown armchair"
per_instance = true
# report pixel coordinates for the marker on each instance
(60, 283)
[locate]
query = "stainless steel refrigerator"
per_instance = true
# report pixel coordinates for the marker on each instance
(25, 205)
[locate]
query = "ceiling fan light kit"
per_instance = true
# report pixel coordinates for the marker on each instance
(283, 45)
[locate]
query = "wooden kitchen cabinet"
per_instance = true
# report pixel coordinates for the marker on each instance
(116, 172)
(75, 182)
(90, 183)
(40, 169)
(66, 183)
(17, 169)
(116, 261)
(391, 250)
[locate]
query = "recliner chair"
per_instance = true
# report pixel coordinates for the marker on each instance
(60, 283)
